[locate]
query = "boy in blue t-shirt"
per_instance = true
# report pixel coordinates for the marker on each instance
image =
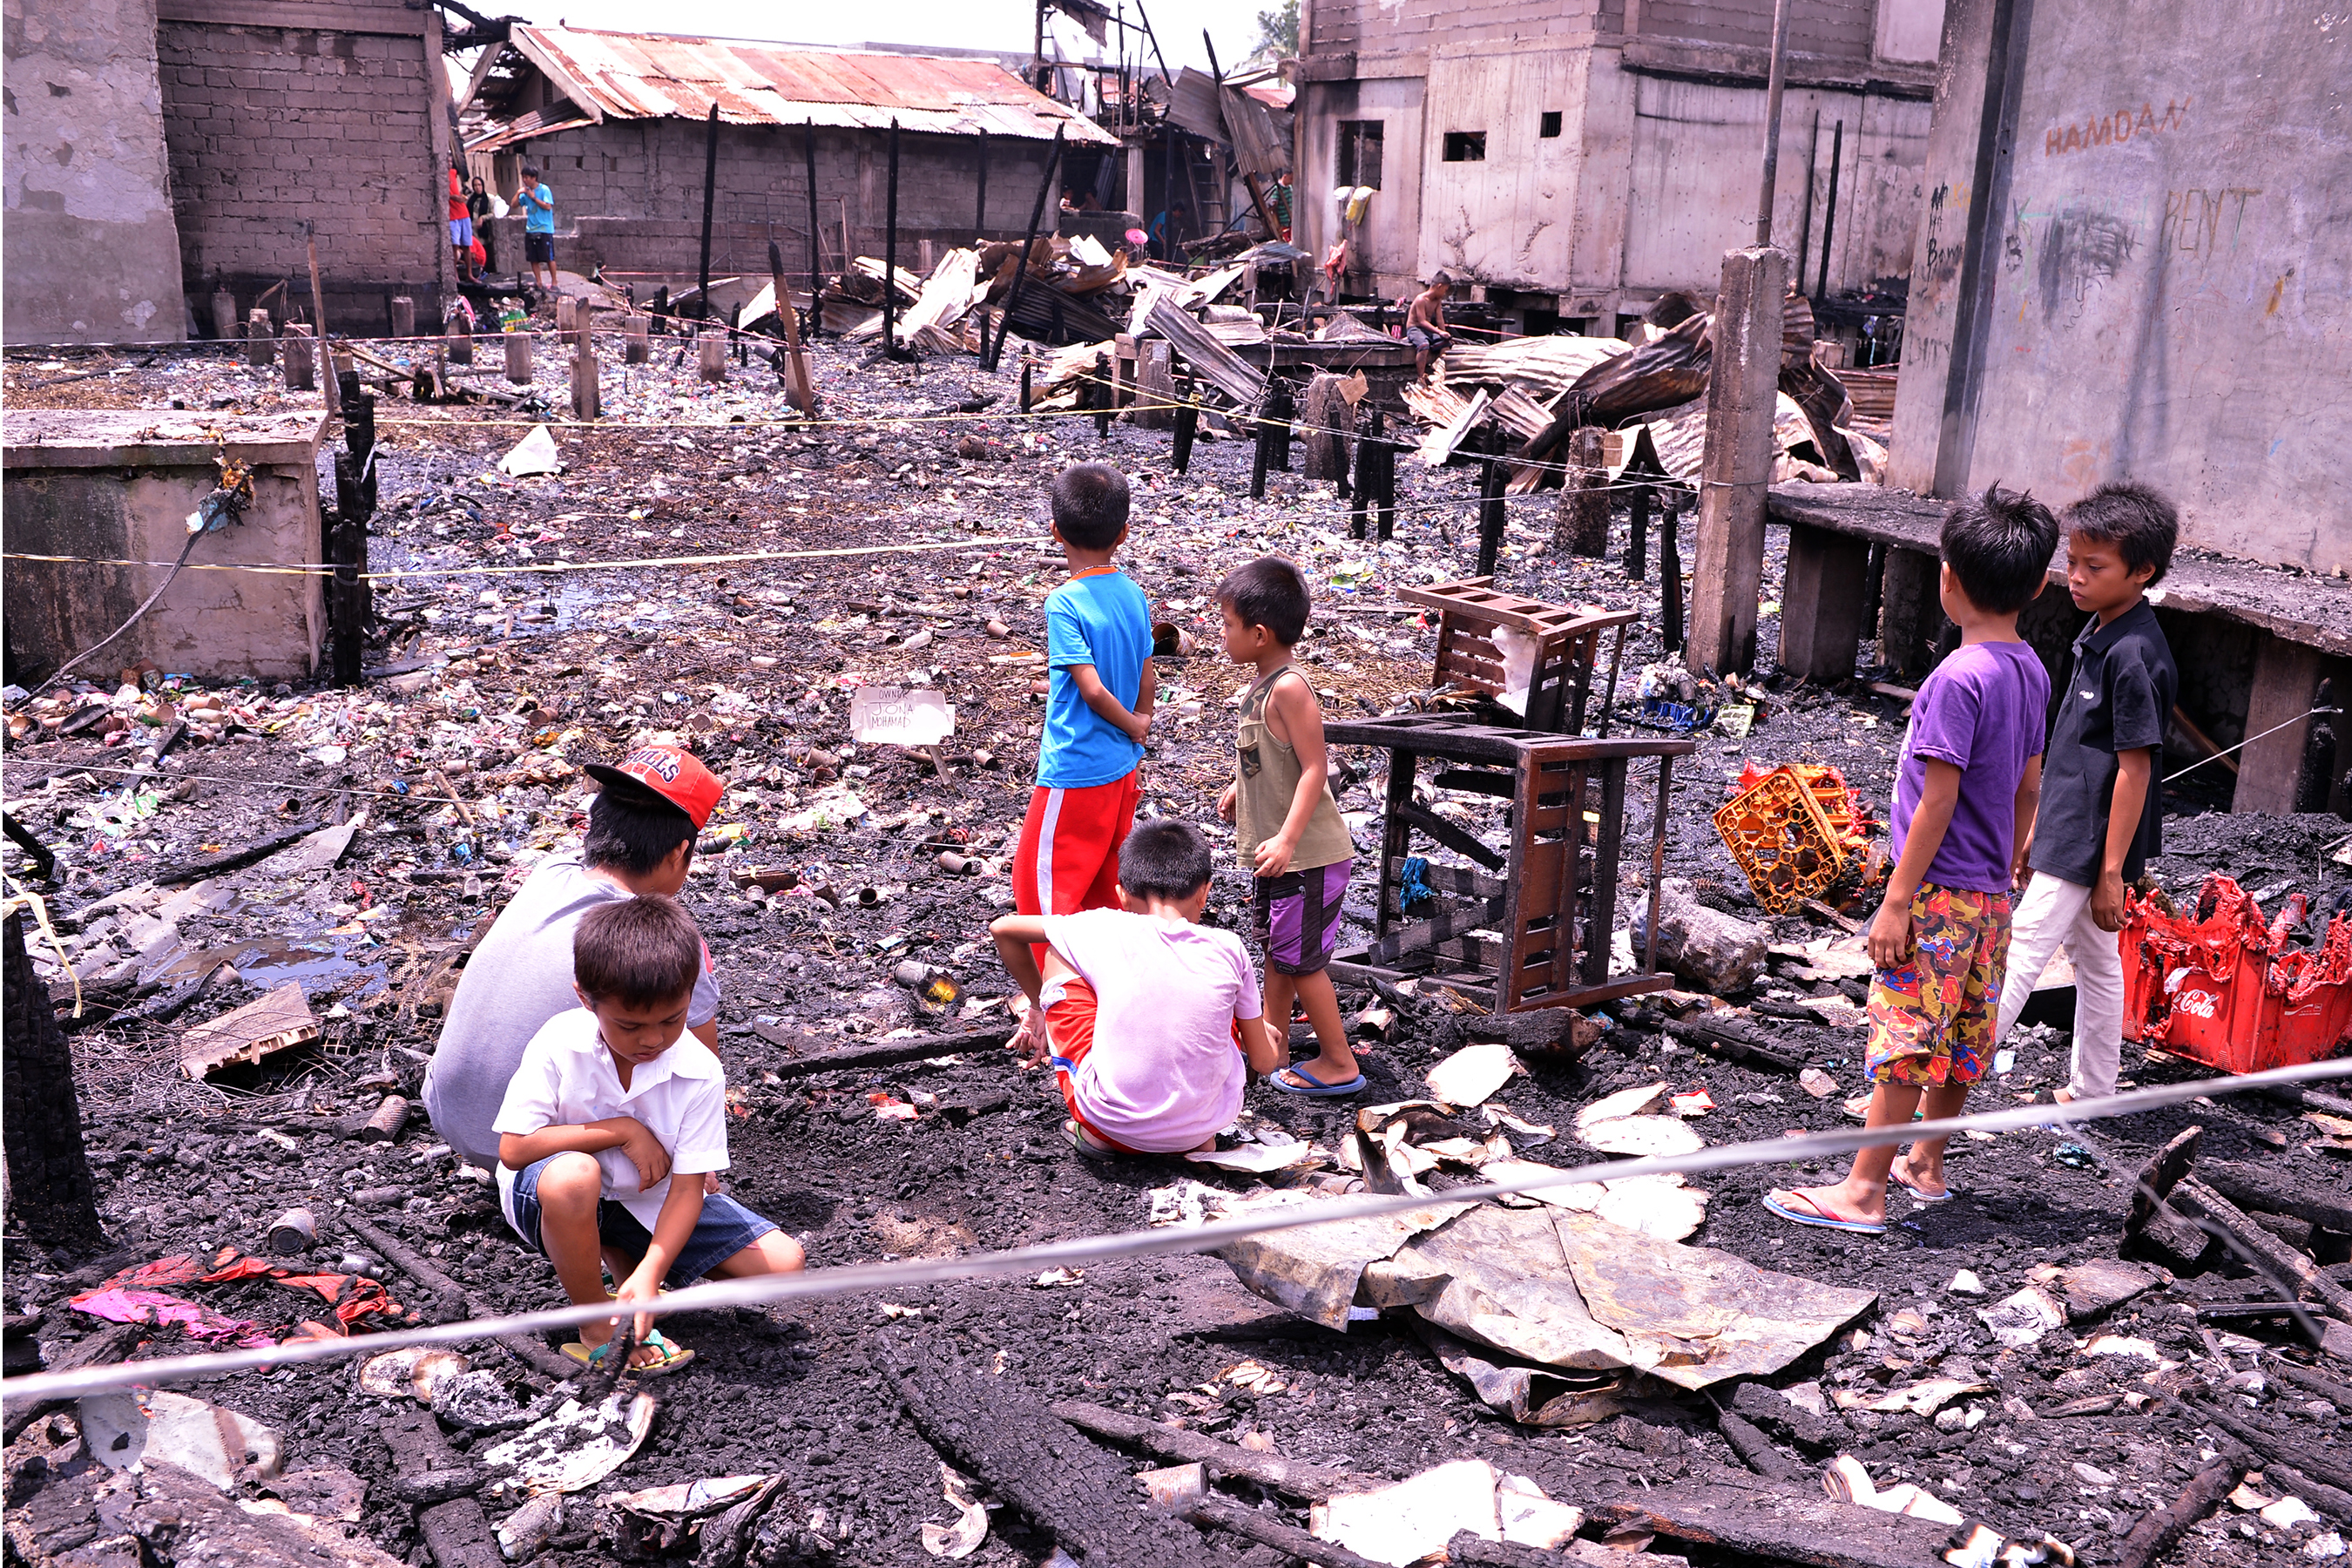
(1098, 709)
(538, 225)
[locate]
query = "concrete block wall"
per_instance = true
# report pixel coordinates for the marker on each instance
(269, 126)
(628, 195)
(1386, 27)
(92, 254)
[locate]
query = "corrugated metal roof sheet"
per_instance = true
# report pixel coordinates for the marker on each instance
(642, 76)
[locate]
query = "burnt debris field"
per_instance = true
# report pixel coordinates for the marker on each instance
(2085, 1383)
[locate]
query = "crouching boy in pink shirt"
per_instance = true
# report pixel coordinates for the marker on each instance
(1152, 1019)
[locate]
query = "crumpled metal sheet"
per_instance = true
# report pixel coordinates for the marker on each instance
(1499, 1277)
(1693, 1315)
(1313, 1271)
(1530, 1395)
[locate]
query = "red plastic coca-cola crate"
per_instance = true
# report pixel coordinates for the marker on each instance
(2210, 989)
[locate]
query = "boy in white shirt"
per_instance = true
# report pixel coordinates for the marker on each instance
(1152, 1019)
(610, 1104)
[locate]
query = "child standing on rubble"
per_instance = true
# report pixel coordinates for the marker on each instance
(1964, 795)
(1286, 825)
(611, 1108)
(2101, 813)
(538, 225)
(1100, 690)
(1152, 1017)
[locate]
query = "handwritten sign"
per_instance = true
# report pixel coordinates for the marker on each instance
(890, 716)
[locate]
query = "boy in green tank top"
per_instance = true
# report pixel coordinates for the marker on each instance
(1286, 825)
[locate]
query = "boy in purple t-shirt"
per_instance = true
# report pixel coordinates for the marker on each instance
(1964, 794)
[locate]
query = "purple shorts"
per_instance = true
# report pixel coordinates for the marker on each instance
(1297, 916)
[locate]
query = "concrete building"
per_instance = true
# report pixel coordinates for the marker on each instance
(1578, 159)
(2140, 264)
(158, 151)
(617, 121)
(92, 254)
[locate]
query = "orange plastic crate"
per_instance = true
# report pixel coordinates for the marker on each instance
(1783, 840)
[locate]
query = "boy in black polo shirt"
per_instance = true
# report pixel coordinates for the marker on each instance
(2101, 813)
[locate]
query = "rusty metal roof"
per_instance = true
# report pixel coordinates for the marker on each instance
(646, 76)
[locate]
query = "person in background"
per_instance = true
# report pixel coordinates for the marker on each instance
(538, 225)
(1287, 826)
(461, 227)
(1965, 787)
(1277, 201)
(481, 209)
(2100, 814)
(1425, 325)
(1168, 231)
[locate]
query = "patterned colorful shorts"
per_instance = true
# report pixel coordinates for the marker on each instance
(1931, 1021)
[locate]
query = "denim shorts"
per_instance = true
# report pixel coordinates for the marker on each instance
(726, 1228)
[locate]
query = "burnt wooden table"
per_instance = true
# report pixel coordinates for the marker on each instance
(1551, 897)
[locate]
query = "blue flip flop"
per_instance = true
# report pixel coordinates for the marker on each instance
(1817, 1218)
(1945, 1196)
(1313, 1086)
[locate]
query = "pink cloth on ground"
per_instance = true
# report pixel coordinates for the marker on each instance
(1163, 1075)
(121, 1306)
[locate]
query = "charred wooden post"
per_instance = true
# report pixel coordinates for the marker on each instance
(890, 348)
(300, 357)
(661, 310)
(637, 344)
(980, 203)
(1325, 417)
(1494, 479)
(1742, 395)
(1188, 423)
(735, 334)
(815, 258)
(1670, 577)
(1384, 452)
(712, 348)
(1275, 411)
(1028, 382)
(403, 316)
(2160, 1529)
(224, 314)
(587, 400)
(710, 195)
(50, 1183)
(1637, 532)
(258, 343)
(348, 594)
(1582, 525)
(1020, 268)
(518, 358)
(460, 342)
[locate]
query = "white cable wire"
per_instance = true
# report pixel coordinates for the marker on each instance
(767, 1288)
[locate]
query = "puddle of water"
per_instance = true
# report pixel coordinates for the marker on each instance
(318, 964)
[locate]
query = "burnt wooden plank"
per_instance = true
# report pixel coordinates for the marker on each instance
(1458, 839)
(1786, 1526)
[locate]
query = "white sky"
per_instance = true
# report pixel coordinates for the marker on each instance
(1005, 25)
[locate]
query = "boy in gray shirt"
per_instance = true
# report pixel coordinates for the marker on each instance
(640, 832)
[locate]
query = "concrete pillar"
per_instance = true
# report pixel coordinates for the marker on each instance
(258, 344)
(1910, 610)
(1582, 525)
(300, 360)
(1822, 602)
(461, 343)
(1155, 387)
(1135, 203)
(224, 314)
(518, 358)
(2286, 682)
(712, 347)
(1734, 474)
(403, 316)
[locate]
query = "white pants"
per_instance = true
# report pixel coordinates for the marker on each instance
(2053, 912)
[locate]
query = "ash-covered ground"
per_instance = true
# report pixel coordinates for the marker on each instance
(507, 680)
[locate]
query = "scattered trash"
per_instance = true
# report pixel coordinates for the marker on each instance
(523, 1533)
(886, 715)
(279, 1019)
(413, 1374)
(1472, 1075)
(1966, 1283)
(1414, 1518)
(1846, 1481)
(141, 1426)
(962, 1538)
(2023, 1319)
(1053, 1277)
(534, 453)
(1817, 1083)
(578, 1446)
(1623, 1124)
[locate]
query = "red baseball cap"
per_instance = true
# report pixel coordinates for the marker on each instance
(670, 772)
